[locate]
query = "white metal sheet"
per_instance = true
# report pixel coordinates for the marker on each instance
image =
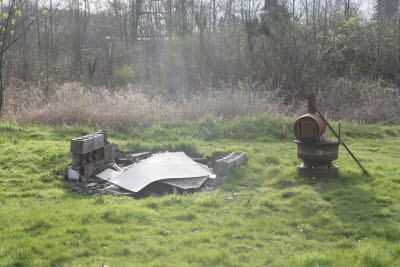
(190, 183)
(169, 165)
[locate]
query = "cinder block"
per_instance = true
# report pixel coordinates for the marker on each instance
(82, 145)
(83, 179)
(104, 133)
(98, 141)
(222, 166)
(87, 171)
(110, 150)
(219, 180)
(75, 159)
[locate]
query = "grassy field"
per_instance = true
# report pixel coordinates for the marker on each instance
(279, 219)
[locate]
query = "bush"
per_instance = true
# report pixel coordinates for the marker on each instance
(123, 76)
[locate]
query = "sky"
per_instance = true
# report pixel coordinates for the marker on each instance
(367, 6)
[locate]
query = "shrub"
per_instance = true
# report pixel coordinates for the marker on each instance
(123, 76)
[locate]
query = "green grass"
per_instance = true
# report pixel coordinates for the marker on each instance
(349, 221)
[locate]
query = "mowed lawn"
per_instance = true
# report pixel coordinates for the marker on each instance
(265, 215)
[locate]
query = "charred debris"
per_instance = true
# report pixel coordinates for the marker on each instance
(99, 168)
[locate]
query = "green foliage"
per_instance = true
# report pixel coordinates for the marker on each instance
(91, 66)
(123, 76)
(251, 26)
(264, 29)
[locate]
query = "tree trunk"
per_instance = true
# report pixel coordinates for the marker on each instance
(1, 84)
(214, 15)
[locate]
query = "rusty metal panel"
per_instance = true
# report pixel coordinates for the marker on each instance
(308, 129)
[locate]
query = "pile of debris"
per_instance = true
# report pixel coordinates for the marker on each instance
(96, 169)
(89, 154)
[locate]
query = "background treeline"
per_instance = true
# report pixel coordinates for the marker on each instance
(184, 48)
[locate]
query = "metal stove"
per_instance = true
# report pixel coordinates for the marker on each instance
(316, 152)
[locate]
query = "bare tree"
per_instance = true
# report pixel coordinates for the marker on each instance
(13, 26)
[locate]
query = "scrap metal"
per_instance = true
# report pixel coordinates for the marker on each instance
(169, 167)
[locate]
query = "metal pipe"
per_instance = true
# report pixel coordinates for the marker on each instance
(312, 103)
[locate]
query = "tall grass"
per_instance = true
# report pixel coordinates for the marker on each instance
(73, 103)
(366, 100)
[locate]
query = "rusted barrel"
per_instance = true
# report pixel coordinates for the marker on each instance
(309, 127)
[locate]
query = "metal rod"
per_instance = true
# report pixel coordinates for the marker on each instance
(337, 136)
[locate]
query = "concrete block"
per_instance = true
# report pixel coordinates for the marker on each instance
(110, 150)
(87, 171)
(104, 133)
(219, 180)
(83, 179)
(82, 145)
(98, 141)
(76, 159)
(222, 166)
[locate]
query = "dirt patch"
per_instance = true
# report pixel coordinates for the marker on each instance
(289, 194)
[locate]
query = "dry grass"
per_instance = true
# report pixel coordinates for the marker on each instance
(368, 101)
(73, 103)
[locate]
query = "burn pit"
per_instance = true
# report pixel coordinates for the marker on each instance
(98, 168)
